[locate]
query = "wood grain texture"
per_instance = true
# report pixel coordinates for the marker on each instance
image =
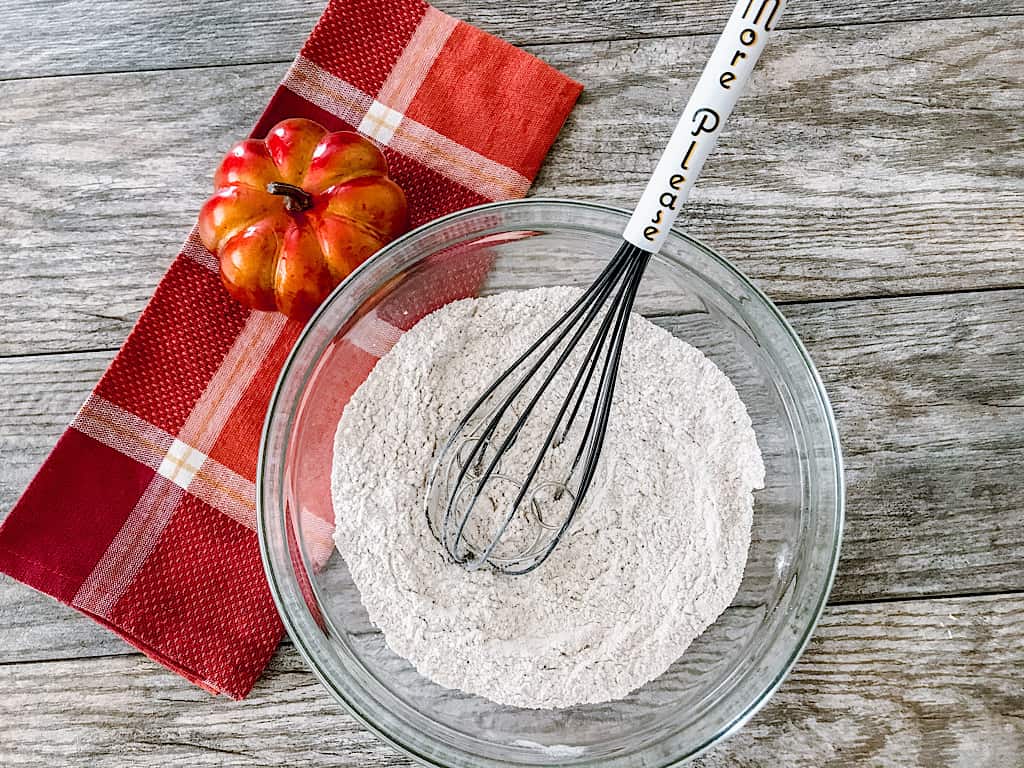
(106, 175)
(863, 161)
(930, 682)
(929, 397)
(916, 683)
(920, 119)
(930, 402)
(80, 36)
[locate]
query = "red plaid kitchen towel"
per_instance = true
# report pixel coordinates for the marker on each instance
(143, 515)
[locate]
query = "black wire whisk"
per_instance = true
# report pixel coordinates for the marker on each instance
(608, 303)
(482, 515)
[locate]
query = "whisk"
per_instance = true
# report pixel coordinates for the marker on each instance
(482, 515)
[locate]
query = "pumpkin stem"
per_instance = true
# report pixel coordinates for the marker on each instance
(295, 198)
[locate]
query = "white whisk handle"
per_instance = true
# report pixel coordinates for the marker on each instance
(720, 85)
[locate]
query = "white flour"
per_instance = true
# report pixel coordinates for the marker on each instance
(655, 555)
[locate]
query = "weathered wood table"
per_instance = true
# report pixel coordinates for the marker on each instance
(872, 183)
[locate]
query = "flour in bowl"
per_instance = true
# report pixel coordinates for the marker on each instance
(655, 554)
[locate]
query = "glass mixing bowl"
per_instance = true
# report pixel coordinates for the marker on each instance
(728, 672)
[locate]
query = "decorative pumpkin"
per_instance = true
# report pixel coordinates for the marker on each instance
(294, 213)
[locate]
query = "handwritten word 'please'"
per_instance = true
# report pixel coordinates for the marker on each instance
(705, 121)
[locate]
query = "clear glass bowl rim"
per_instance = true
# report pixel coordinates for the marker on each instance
(292, 622)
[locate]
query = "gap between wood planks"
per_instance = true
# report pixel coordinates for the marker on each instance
(780, 303)
(147, 70)
(522, 44)
(286, 640)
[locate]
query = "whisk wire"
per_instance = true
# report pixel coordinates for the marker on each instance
(606, 391)
(614, 291)
(592, 353)
(640, 259)
(583, 299)
(588, 367)
(591, 300)
(590, 309)
(606, 387)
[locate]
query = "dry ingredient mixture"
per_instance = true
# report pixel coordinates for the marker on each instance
(656, 552)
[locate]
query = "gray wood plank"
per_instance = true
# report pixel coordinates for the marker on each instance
(107, 175)
(930, 682)
(922, 683)
(930, 400)
(919, 120)
(78, 36)
(863, 161)
(929, 396)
